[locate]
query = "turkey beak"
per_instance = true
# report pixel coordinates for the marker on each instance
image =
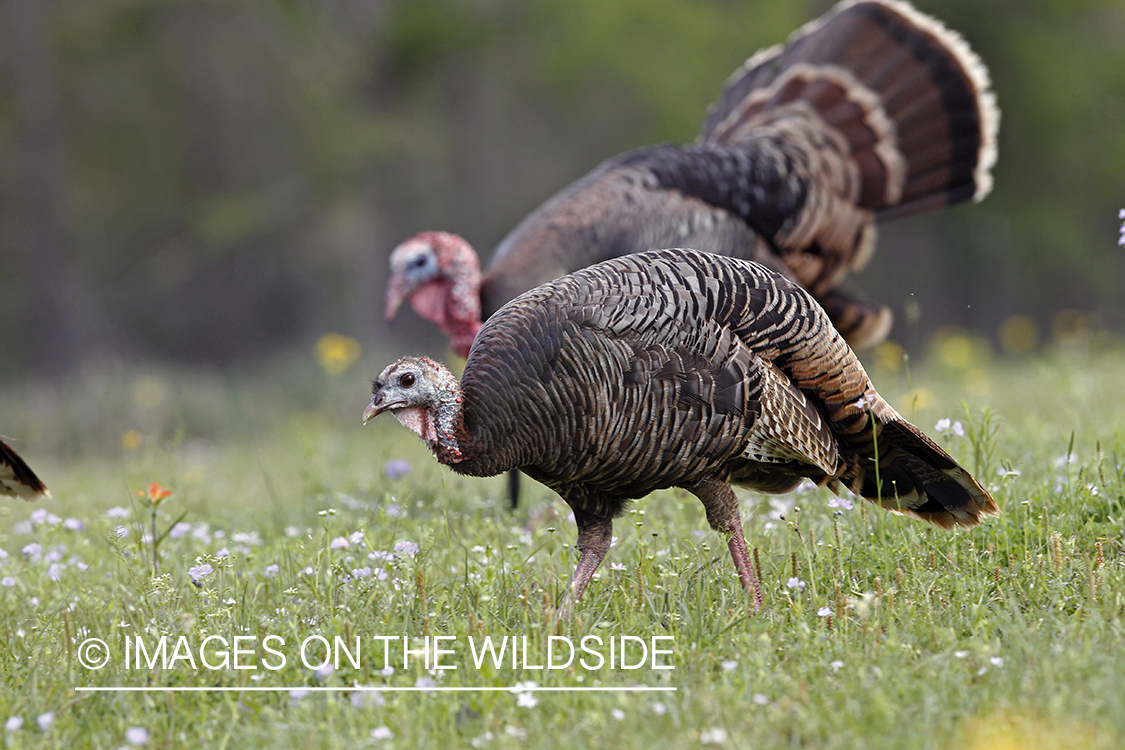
(396, 294)
(375, 408)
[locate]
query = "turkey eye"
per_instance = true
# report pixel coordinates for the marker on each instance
(407, 380)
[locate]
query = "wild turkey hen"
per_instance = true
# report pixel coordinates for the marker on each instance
(872, 111)
(17, 479)
(673, 368)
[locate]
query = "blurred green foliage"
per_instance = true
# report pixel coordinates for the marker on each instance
(235, 173)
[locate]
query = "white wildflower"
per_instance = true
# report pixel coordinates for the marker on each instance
(136, 735)
(714, 736)
(525, 696)
(482, 739)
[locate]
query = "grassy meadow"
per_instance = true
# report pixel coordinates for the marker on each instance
(288, 519)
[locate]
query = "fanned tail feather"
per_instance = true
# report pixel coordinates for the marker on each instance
(16, 477)
(909, 96)
(918, 478)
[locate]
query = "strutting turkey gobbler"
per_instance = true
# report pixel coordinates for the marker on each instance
(673, 368)
(16, 477)
(872, 111)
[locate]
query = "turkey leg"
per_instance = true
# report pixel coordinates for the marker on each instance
(722, 514)
(594, 536)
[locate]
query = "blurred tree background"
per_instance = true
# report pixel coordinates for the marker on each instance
(214, 181)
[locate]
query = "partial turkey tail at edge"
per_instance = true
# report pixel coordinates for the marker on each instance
(909, 96)
(16, 477)
(920, 479)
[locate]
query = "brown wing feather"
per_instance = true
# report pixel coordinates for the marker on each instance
(789, 427)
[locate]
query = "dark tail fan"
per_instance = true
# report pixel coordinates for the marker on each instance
(907, 94)
(16, 477)
(918, 478)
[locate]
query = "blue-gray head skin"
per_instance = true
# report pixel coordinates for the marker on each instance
(440, 274)
(414, 264)
(425, 397)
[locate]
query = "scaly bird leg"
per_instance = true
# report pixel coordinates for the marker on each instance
(722, 514)
(594, 536)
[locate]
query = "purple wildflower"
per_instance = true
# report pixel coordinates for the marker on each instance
(396, 468)
(199, 572)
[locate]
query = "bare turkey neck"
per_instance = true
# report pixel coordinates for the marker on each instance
(447, 422)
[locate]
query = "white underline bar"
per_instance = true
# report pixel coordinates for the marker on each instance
(368, 689)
